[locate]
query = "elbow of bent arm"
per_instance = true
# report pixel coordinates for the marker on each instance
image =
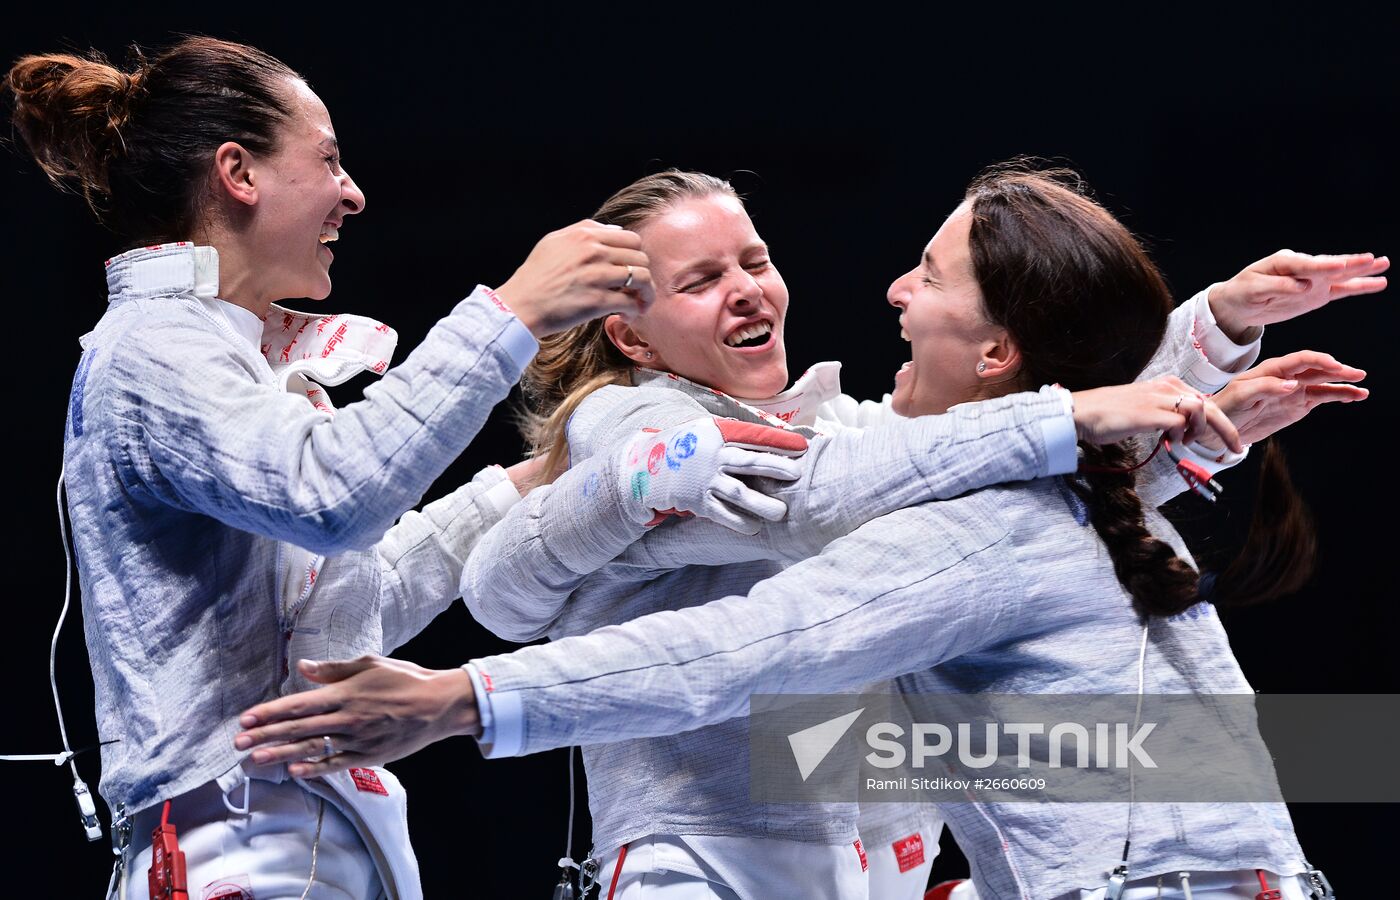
(485, 600)
(505, 623)
(331, 532)
(334, 509)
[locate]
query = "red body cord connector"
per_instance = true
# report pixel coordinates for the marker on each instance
(166, 877)
(1193, 473)
(1267, 893)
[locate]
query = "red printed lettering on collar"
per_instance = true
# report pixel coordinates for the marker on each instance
(335, 339)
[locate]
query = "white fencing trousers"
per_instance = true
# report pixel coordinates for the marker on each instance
(1238, 885)
(264, 854)
(669, 886)
(899, 869)
(711, 867)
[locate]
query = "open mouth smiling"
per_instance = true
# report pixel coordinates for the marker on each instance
(751, 336)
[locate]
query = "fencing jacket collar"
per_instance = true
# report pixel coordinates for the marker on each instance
(795, 407)
(327, 350)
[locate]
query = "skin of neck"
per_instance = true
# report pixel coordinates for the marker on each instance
(984, 389)
(239, 281)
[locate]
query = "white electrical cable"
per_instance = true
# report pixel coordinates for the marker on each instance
(567, 860)
(315, 845)
(1137, 720)
(63, 614)
(66, 756)
(569, 840)
(57, 759)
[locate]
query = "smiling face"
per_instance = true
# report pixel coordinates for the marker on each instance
(303, 197)
(720, 303)
(941, 315)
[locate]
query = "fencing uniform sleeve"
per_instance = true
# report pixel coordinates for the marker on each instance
(1199, 353)
(520, 574)
(519, 577)
(502, 722)
(266, 461)
(421, 558)
(856, 475)
(855, 614)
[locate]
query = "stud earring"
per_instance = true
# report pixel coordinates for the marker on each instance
(650, 354)
(981, 367)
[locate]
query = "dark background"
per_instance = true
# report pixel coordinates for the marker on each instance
(1220, 137)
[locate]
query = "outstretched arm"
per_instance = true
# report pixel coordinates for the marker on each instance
(1287, 284)
(518, 579)
(859, 601)
(1215, 336)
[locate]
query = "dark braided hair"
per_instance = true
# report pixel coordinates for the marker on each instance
(1087, 308)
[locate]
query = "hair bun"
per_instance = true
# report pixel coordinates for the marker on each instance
(131, 89)
(71, 112)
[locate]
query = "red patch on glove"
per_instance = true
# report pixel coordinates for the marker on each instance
(763, 437)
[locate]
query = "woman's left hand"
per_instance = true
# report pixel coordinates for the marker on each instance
(1167, 404)
(373, 709)
(1280, 391)
(1288, 284)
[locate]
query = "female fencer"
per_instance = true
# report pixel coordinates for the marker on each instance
(208, 481)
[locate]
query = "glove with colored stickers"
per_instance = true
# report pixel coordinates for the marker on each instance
(691, 469)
